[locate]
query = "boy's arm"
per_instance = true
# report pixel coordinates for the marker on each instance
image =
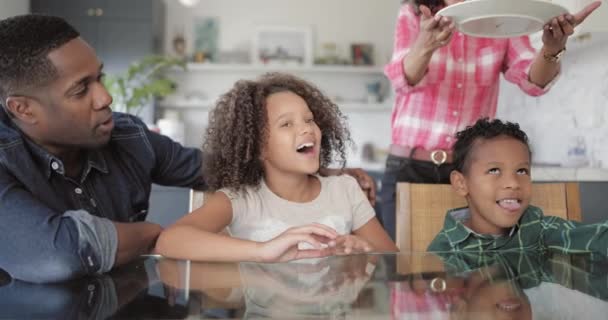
(574, 237)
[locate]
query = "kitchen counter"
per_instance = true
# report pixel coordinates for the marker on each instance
(539, 173)
(569, 174)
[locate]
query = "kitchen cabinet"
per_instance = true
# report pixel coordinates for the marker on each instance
(120, 31)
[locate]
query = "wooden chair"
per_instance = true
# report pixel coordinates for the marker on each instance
(421, 209)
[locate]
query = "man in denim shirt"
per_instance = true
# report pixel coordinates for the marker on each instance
(75, 178)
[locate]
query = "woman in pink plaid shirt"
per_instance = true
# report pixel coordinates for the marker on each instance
(445, 80)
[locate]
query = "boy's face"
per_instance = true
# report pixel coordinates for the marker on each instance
(489, 295)
(496, 182)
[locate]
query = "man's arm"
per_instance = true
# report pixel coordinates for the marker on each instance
(175, 164)
(38, 244)
(135, 239)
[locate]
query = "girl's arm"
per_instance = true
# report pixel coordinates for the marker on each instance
(376, 236)
(197, 236)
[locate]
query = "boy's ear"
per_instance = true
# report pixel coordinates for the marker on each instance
(458, 183)
(21, 108)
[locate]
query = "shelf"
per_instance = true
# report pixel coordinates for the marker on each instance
(187, 104)
(344, 106)
(349, 69)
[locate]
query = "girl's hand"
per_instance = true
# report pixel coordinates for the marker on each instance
(351, 243)
(557, 31)
(284, 247)
(435, 31)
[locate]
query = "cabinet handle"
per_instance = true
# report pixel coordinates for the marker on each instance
(99, 12)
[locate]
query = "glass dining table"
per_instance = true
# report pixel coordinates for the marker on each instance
(500, 285)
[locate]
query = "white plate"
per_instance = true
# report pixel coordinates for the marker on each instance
(501, 18)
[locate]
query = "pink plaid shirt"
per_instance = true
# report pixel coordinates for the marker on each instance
(461, 84)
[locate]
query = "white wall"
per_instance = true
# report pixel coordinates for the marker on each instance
(576, 106)
(10, 8)
(340, 21)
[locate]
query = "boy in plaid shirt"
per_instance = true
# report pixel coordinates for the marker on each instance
(492, 171)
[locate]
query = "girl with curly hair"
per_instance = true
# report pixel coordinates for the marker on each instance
(267, 140)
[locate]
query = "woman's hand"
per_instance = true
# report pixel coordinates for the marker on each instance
(351, 243)
(435, 31)
(285, 247)
(557, 31)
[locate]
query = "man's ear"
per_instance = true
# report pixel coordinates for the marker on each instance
(459, 183)
(21, 108)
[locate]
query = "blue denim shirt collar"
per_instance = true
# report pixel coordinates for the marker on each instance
(50, 163)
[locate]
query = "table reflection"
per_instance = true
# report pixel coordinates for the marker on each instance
(507, 285)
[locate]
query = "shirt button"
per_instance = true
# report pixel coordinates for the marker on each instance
(54, 165)
(459, 85)
(78, 191)
(455, 113)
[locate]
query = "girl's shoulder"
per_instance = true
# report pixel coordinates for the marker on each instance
(240, 194)
(339, 181)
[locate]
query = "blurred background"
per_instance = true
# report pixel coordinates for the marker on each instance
(341, 46)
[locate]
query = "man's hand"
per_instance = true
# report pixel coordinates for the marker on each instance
(285, 247)
(557, 31)
(367, 183)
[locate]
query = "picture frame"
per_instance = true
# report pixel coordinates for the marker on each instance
(362, 54)
(206, 38)
(282, 45)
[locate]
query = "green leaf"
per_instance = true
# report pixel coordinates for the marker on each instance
(143, 81)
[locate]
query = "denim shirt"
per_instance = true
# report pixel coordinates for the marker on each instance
(53, 227)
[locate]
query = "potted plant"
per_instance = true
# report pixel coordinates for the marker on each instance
(143, 81)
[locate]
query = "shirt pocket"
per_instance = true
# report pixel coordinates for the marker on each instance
(488, 62)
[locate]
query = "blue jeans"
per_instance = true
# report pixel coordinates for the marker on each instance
(400, 169)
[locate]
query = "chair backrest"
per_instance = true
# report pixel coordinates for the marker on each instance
(421, 209)
(197, 198)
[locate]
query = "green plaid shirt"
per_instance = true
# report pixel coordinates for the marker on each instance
(534, 231)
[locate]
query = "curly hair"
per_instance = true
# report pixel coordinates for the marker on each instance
(484, 129)
(238, 131)
(25, 42)
(434, 5)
